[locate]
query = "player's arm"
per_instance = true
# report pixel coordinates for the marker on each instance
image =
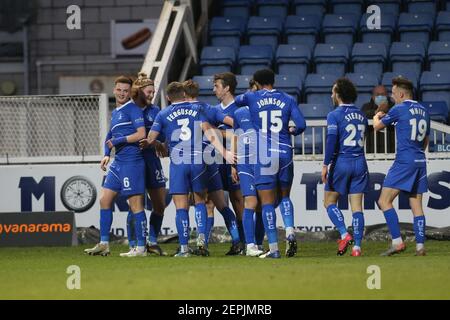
(234, 174)
(331, 144)
(107, 152)
(426, 141)
(215, 139)
(153, 134)
(298, 119)
(377, 123)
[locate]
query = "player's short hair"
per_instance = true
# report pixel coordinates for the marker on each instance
(228, 79)
(346, 90)
(191, 88)
(143, 81)
(175, 91)
(264, 77)
(404, 84)
(123, 79)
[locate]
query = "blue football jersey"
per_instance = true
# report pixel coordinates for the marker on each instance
(228, 110)
(181, 125)
(150, 113)
(350, 125)
(412, 125)
(271, 111)
(125, 120)
(246, 133)
(213, 115)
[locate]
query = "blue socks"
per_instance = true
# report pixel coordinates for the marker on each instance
(392, 222)
(201, 215)
(337, 218)
(249, 226)
(155, 227)
(182, 222)
(106, 219)
(130, 230)
(358, 227)
(240, 226)
(270, 225)
(259, 229)
(287, 213)
(140, 225)
(419, 229)
(209, 225)
(230, 222)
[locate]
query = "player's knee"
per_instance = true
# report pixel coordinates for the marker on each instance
(383, 203)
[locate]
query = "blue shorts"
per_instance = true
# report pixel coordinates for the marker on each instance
(277, 173)
(185, 178)
(154, 175)
(407, 177)
(214, 179)
(348, 176)
(127, 178)
(246, 179)
(227, 181)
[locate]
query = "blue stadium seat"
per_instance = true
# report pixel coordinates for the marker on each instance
(438, 110)
(289, 83)
(226, 32)
(439, 55)
(242, 83)
(390, 6)
(315, 110)
(383, 35)
(217, 59)
(369, 58)
(206, 86)
(415, 27)
(273, 8)
(236, 8)
(331, 58)
(317, 7)
(447, 5)
(364, 83)
(264, 31)
(303, 30)
(435, 86)
(407, 56)
(253, 58)
(408, 74)
(293, 59)
(422, 6)
(340, 28)
(311, 146)
(443, 26)
(347, 6)
(318, 88)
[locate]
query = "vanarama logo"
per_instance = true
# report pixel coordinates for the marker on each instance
(35, 228)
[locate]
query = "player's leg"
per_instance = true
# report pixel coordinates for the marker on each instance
(136, 203)
(357, 222)
(267, 197)
(237, 202)
(131, 234)
(385, 201)
(259, 227)
(415, 202)
(287, 213)
(250, 203)
(181, 202)
(158, 198)
(210, 221)
(201, 216)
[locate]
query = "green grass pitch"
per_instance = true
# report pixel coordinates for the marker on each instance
(315, 273)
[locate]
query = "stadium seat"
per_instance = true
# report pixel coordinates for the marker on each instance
(407, 56)
(435, 86)
(415, 27)
(340, 28)
(369, 58)
(226, 32)
(347, 6)
(242, 83)
(312, 146)
(217, 59)
(364, 83)
(273, 8)
(315, 110)
(422, 6)
(408, 74)
(439, 55)
(443, 26)
(253, 58)
(264, 31)
(293, 59)
(383, 35)
(331, 58)
(390, 6)
(236, 8)
(317, 7)
(303, 30)
(289, 83)
(318, 88)
(438, 110)
(206, 86)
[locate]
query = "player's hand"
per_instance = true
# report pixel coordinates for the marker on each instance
(324, 174)
(292, 130)
(380, 114)
(230, 157)
(161, 150)
(104, 163)
(143, 144)
(234, 175)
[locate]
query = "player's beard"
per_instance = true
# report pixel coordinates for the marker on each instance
(335, 102)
